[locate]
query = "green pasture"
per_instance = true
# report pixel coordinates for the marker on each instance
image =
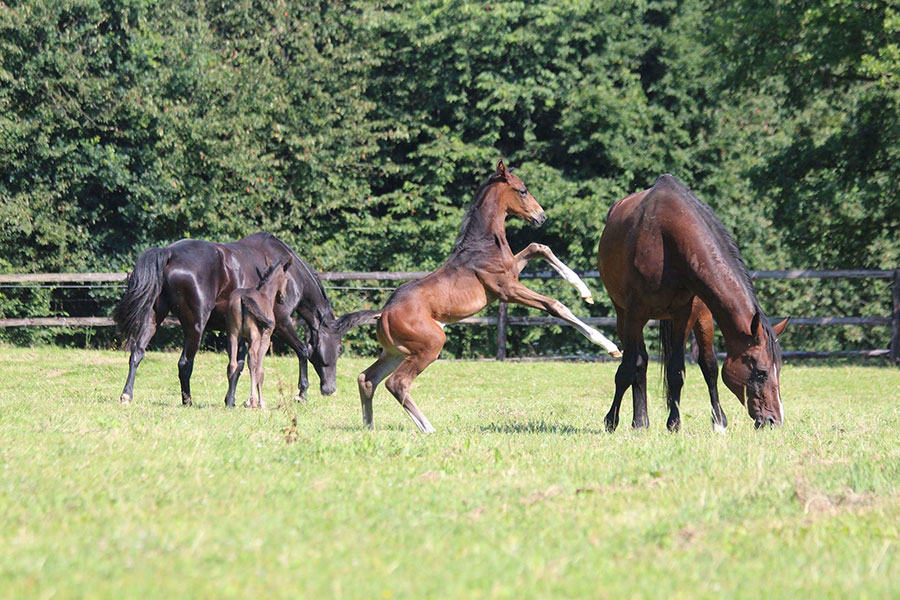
(520, 494)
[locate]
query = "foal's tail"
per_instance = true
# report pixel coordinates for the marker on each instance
(144, 286)
(250, 305)
(348, 321)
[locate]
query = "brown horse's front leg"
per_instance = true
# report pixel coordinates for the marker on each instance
(542, 251)
(526, 297)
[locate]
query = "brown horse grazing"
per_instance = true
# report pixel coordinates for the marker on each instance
(659, 250)
(480, 270)
(251, 315)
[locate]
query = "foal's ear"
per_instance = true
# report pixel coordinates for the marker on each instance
(779, 327)
(501, 169)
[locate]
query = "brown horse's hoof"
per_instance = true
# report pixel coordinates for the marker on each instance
(125, 400)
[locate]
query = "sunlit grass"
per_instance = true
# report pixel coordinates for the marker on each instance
(519, 494)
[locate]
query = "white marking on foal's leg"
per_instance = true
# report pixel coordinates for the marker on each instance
(573, 278)
(590, 333)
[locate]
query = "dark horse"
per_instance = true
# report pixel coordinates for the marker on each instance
(660, 249)
(480, 270)
(193, 279)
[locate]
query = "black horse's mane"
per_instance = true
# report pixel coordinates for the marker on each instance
(472, 211)
(724, 241)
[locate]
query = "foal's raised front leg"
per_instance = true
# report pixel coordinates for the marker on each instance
(542, 251)
(526, 297)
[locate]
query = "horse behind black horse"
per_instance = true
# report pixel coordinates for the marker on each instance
(193, 279)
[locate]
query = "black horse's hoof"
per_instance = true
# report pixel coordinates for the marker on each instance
(611, 423)
(674, 425)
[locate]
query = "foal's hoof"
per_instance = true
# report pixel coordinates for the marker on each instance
(589, 299)
(616, 354)
(125, 399)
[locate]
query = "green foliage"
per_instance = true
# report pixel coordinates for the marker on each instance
(358, 132)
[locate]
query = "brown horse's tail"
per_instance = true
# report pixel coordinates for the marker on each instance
(131, 314)
(249, 304)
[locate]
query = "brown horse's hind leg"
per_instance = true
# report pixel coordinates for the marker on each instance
(369, 379)
(703, 331)
(675, 366)
(632, 371)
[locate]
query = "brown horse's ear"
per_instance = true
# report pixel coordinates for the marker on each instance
(501, 169)
(754, 327)
(779, 327)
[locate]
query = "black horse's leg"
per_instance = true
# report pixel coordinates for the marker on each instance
(285, 328)
(192, 336)
(675, 367)
(703, 331)
(140, 347)
(234, 371)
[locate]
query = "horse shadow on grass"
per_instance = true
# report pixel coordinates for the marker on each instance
(539, 427)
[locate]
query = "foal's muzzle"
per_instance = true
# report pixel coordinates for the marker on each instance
(538, 220)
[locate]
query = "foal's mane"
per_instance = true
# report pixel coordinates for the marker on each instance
(264, 278)
(722, 239)
(472, 211)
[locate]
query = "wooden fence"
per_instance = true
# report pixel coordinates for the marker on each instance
(503, 320)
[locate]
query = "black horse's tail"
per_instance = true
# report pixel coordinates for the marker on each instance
(144, 286)
(250, 305)
(348, 321)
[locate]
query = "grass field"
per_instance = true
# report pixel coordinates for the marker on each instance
(519, 494)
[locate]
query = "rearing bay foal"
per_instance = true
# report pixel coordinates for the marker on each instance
(480, 270)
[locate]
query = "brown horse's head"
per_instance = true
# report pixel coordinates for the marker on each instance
(518, 199)
(752, 372)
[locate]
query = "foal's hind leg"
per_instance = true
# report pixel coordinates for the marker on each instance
(400, 382)
(238, 354)
(369, 379)
(703, 331)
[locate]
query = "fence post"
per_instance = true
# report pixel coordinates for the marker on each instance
(502, 324)
(895, 320)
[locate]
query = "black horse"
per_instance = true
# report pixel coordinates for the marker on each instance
(193, 279)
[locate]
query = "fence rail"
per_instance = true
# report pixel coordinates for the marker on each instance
(503, 320)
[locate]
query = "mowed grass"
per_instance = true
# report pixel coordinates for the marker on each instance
(520, 494)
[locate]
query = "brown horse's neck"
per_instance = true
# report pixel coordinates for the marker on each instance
(484, 224)
(733, 312)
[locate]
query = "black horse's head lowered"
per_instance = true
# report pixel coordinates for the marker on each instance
(192, 279)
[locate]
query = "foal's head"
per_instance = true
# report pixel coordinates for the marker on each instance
(274, 280)
(752, 373)
(516, 197)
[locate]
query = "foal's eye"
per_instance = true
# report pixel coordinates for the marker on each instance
(523, 192)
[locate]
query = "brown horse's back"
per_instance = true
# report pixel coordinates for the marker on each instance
(647, 237)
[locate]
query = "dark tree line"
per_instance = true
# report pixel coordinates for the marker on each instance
(358, 131)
